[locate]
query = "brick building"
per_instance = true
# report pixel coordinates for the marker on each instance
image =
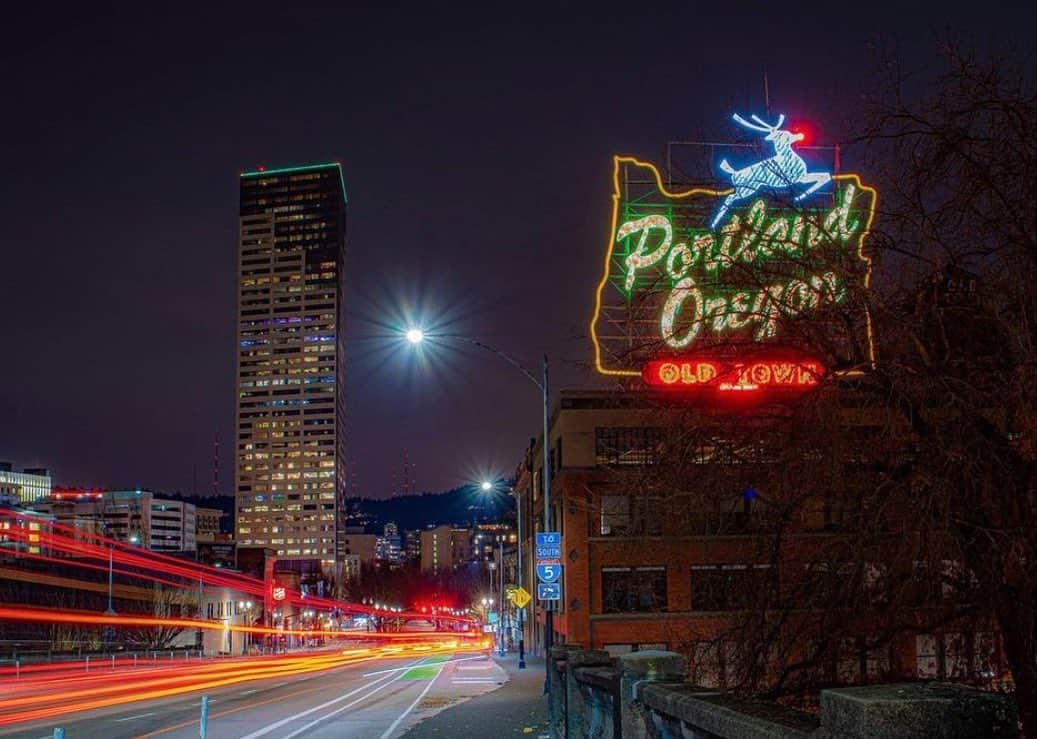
(647, 570)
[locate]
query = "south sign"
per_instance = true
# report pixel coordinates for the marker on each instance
(774, 261)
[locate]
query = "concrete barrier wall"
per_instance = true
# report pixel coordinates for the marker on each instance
(644, 694)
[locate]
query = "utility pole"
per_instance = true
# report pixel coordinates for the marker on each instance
(518, 611)
(546, 477)
(500, 594)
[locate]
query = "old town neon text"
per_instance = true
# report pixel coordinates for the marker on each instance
(733, 377)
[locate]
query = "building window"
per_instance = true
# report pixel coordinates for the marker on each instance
(957, 656)
(623, 516)
(633, 589)
(728, 587)
(615, 515)
(627, 445)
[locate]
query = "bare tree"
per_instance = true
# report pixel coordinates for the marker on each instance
(168, 603)
(960, 210)
(896, 502)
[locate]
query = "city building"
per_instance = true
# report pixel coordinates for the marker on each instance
(137, 517)
(173, 526)
(486, 538)
(354, 542)
(350, 567)
(389, 546)
(219, 553)
(444, 548)
(78, 511)
(290, 408)
(412, 545)
(21, 529)
(228, 606)
(30, 485)
(207, 524)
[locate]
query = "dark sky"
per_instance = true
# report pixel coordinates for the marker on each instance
(476, 145)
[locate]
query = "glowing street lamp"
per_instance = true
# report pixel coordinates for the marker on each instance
(415, 336)
(486, 486)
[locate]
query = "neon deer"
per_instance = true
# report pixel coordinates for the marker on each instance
(784, 169)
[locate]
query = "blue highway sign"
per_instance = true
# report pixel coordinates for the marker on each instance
(549, 591)
(549, 547)
(548, 573)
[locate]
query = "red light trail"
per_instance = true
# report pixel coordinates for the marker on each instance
(102, 554)
(68, 688)
(36, 691)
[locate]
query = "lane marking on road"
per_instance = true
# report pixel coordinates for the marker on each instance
(278, 724)
(475, 680)
(250, 692)
(337, 711)
(392, 727)
(134, 718)
(397, 669)
(475, 667)
(249, 706)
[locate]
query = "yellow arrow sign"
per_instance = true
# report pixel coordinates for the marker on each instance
(521, 597)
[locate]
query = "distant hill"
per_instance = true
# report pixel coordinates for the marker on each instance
(461, 506)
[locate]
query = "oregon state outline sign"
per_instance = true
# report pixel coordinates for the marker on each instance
(774, 263)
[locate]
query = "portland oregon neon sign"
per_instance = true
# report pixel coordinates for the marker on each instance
(772, 260)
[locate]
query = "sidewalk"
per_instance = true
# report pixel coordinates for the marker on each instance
(518, 707)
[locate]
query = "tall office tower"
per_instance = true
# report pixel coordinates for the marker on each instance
(290, 423)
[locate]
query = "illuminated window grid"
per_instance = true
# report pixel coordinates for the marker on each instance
(287, 395)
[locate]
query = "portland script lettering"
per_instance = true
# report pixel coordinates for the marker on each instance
(698, 259)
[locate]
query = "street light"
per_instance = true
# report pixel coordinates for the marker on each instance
(415, 336)
(487, 486)
(246, 606)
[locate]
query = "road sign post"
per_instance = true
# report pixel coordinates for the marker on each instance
(549, 566)
(549, 591)
(521, 597)
(549, 573)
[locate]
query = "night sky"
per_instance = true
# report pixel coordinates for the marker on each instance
(476, 147)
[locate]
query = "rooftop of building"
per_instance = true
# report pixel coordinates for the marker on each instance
(264, 172)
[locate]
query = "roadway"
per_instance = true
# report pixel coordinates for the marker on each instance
(380, 696)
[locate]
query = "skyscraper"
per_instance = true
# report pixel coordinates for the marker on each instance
(290, 419)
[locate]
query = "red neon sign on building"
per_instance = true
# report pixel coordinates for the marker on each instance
(757, 374)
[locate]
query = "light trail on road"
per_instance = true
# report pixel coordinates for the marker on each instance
(101, 554)
(89, 618)
(52, 694)
(39, 692)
